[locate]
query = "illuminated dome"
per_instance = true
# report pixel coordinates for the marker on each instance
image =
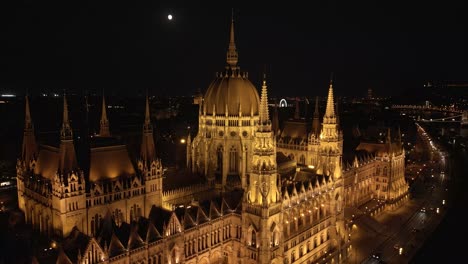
(235, 92)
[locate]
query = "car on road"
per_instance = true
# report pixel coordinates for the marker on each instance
(377, 255)
(414, 230)
(423, 210)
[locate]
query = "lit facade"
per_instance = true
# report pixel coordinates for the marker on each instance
(378, 174)
(243, 211)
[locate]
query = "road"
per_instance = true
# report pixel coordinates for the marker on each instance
(410, 226)
(413, 232)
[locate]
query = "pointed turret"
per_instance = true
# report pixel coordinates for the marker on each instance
(389, 137)
(27, 117)
(29, 149)
(330, 117)
(388, 141)
(240, 109)
(331, 141)
(264, 115)
(232, 56)
(86, 120)
(67, 152)
(189, 150)
(297, 114)
(263, 194)
(316, 120)
(399, 136)
(104, 128)
(147, 144)
(66, 132)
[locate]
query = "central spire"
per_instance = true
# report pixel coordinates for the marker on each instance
(330, 117)
(232, 56)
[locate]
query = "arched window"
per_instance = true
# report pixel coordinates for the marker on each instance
(95, 224)
(92, 227)
(302, 159)
(275, 237)
(174, 257)
(220, 159)
(377, 170)
(233, 158)
(293, 256)
(254, 239)
(385, 171)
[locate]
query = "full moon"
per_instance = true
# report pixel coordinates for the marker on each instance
(169, 17)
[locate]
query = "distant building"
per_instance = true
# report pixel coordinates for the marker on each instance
(370, 95)
(198, 98)
(464, 124)
(377, 171)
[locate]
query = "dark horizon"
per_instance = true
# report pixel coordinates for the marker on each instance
(131, 48)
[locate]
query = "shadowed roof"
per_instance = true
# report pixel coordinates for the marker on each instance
(47, 162)
(295, 130)
(380, 149)
(109, 163)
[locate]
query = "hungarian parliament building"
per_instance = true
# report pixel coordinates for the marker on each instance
(263, 194)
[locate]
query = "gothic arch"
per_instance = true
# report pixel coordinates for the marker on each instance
(275, 235)
(252, 236)
(216, 257)
(204, 260)
(233, 159)
(219, 158)
(302, 159)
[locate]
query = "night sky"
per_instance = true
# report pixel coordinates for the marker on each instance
(128, 48)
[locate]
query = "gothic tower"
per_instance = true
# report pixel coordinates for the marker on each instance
(331, 141)
(28, 155)
(68, 184)
(150, 166)
(261, 216)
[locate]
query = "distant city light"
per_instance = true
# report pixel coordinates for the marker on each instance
(6, 183)
(311, 166)
(8, 95)
(283, 103)
(182, 141)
